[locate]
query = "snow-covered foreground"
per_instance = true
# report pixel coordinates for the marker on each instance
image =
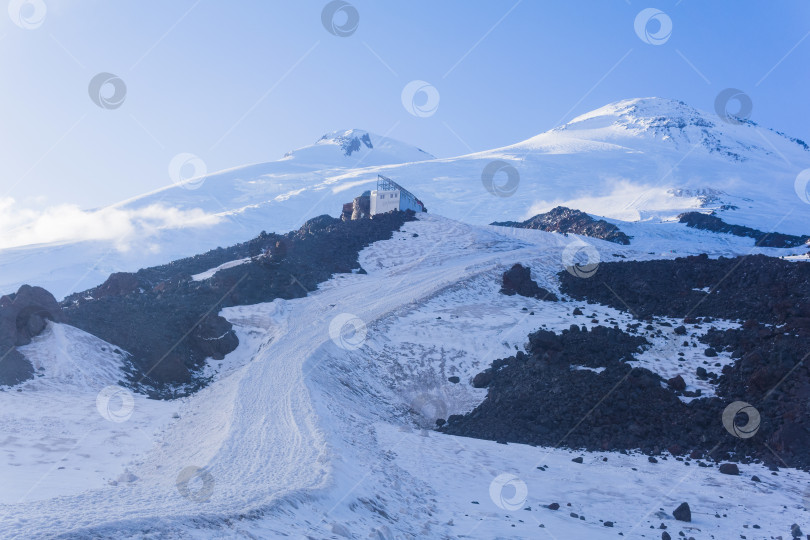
(308, 431)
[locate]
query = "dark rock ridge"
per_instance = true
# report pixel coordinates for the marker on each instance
(518, 280)
(22, 316)
(767, 289)
(770, 370)
(551, 396)
(710, 222)
(567, 220)
(576, 390)
(169, 323)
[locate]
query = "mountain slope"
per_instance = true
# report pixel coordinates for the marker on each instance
(305, 434)
(642, 160)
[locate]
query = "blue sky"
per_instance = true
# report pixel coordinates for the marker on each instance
(244, 82)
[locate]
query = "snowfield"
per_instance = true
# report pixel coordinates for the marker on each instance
(641, 161)
(316, 430)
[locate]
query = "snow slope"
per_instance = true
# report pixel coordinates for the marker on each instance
(311, 432)
(640, 160)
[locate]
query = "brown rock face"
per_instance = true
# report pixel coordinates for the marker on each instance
(22, 316)
(361, 207)
(118, 284)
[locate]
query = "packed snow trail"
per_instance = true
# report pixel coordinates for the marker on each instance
(256, 432)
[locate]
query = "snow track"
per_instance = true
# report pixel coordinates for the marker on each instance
(300, 437)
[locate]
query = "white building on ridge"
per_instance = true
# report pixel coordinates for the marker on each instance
(391, 196)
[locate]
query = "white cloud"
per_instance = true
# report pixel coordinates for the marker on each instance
(621, 199)
(68, 223)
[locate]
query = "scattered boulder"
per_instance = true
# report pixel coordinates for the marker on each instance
(483, 379)
(518, 280)
(677, 383)
(682, 513)
(730, 468)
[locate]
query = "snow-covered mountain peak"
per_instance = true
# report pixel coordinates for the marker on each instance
(663, 119)
(656, 117)
(635, 110)
(355, 147)
(350, 140)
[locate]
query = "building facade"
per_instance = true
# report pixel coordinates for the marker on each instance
(391, 196)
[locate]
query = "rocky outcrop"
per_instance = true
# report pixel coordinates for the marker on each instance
(757, 287)
(518, 280)
(361, 206)
(710, 222)
(545, 397)
(22, 316)
(118, 284)
(567, 220)
(769, 349)
(169, 323)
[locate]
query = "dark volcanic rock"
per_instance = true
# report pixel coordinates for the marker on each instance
(683, 512)
(567, 220)
(169, 324)
(538, 398)
(118, 284)
(730, 468)
(22, 316)
(23, 313)
(772, 296)
(15, 367)
(518, 280)
(677, 383)
(764, 289)
(710, 222)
